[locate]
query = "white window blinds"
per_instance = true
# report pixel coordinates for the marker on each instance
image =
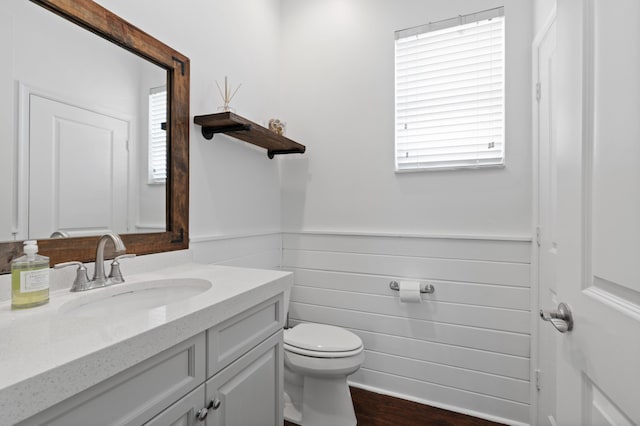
(450, 93)
(157, 136)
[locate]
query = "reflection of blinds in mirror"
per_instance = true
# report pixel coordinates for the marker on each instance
(157, 136)
(450, 93)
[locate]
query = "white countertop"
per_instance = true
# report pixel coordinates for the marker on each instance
(46, 357)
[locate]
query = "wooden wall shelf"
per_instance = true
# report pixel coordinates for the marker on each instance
(248, 131)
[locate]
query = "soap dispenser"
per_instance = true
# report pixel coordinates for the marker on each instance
(29, 278)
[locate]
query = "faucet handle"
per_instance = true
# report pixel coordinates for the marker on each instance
(116, 275)
(81, 282)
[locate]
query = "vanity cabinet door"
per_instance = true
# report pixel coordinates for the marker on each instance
(182, 413)
(249, 391)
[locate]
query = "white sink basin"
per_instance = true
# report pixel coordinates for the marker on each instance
(122, 299)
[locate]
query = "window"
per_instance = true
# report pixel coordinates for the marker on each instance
(157, 135)
(450, 93)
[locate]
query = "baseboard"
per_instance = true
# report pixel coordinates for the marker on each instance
(392, 396)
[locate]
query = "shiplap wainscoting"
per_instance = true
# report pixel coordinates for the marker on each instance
(249, 251)
(466, 347)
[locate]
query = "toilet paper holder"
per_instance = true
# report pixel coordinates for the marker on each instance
(424, 287)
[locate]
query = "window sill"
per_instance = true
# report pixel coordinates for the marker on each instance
(451, 168)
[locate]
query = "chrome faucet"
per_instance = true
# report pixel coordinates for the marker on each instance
(82, 282)
(59, 234)
(98, 276)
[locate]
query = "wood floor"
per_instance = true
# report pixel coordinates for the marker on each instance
(373, 409)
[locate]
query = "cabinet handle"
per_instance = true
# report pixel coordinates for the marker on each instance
(202, 414)
(215, 404)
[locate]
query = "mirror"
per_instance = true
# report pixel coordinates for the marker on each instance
(85, 133)
(81, 133)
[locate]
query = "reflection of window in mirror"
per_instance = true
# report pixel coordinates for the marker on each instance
(157, 135)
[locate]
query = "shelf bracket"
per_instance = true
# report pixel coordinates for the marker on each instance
(209, 132)
(273, 152)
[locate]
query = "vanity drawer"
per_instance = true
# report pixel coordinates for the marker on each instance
(139, 393)
(227, 341)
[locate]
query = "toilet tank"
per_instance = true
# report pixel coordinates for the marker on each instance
(287, 298)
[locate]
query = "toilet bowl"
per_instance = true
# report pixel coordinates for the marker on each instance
(317, 359)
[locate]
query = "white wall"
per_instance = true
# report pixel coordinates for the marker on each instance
(541, 11)
(337, 97)
(351, 224)
(465, 348)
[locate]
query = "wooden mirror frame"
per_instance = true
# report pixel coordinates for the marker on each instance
(111, 27)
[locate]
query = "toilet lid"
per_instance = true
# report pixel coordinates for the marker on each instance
(321, 338)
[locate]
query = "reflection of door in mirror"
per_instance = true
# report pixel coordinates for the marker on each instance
(63, 62)
(78, 180)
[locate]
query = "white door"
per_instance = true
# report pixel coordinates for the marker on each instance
(598, 158)
(545, 48)
(78, 170)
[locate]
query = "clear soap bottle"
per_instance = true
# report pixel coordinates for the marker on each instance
(29, 278)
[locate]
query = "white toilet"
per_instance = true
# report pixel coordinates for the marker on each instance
(317, 360)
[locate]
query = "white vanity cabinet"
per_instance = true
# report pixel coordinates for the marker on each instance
(249, 391)
(246, 393)
(235, 368)
(182, 413)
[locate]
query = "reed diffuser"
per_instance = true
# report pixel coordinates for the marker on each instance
(226, 95)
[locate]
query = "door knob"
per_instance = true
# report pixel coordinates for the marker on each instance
(561, 319)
